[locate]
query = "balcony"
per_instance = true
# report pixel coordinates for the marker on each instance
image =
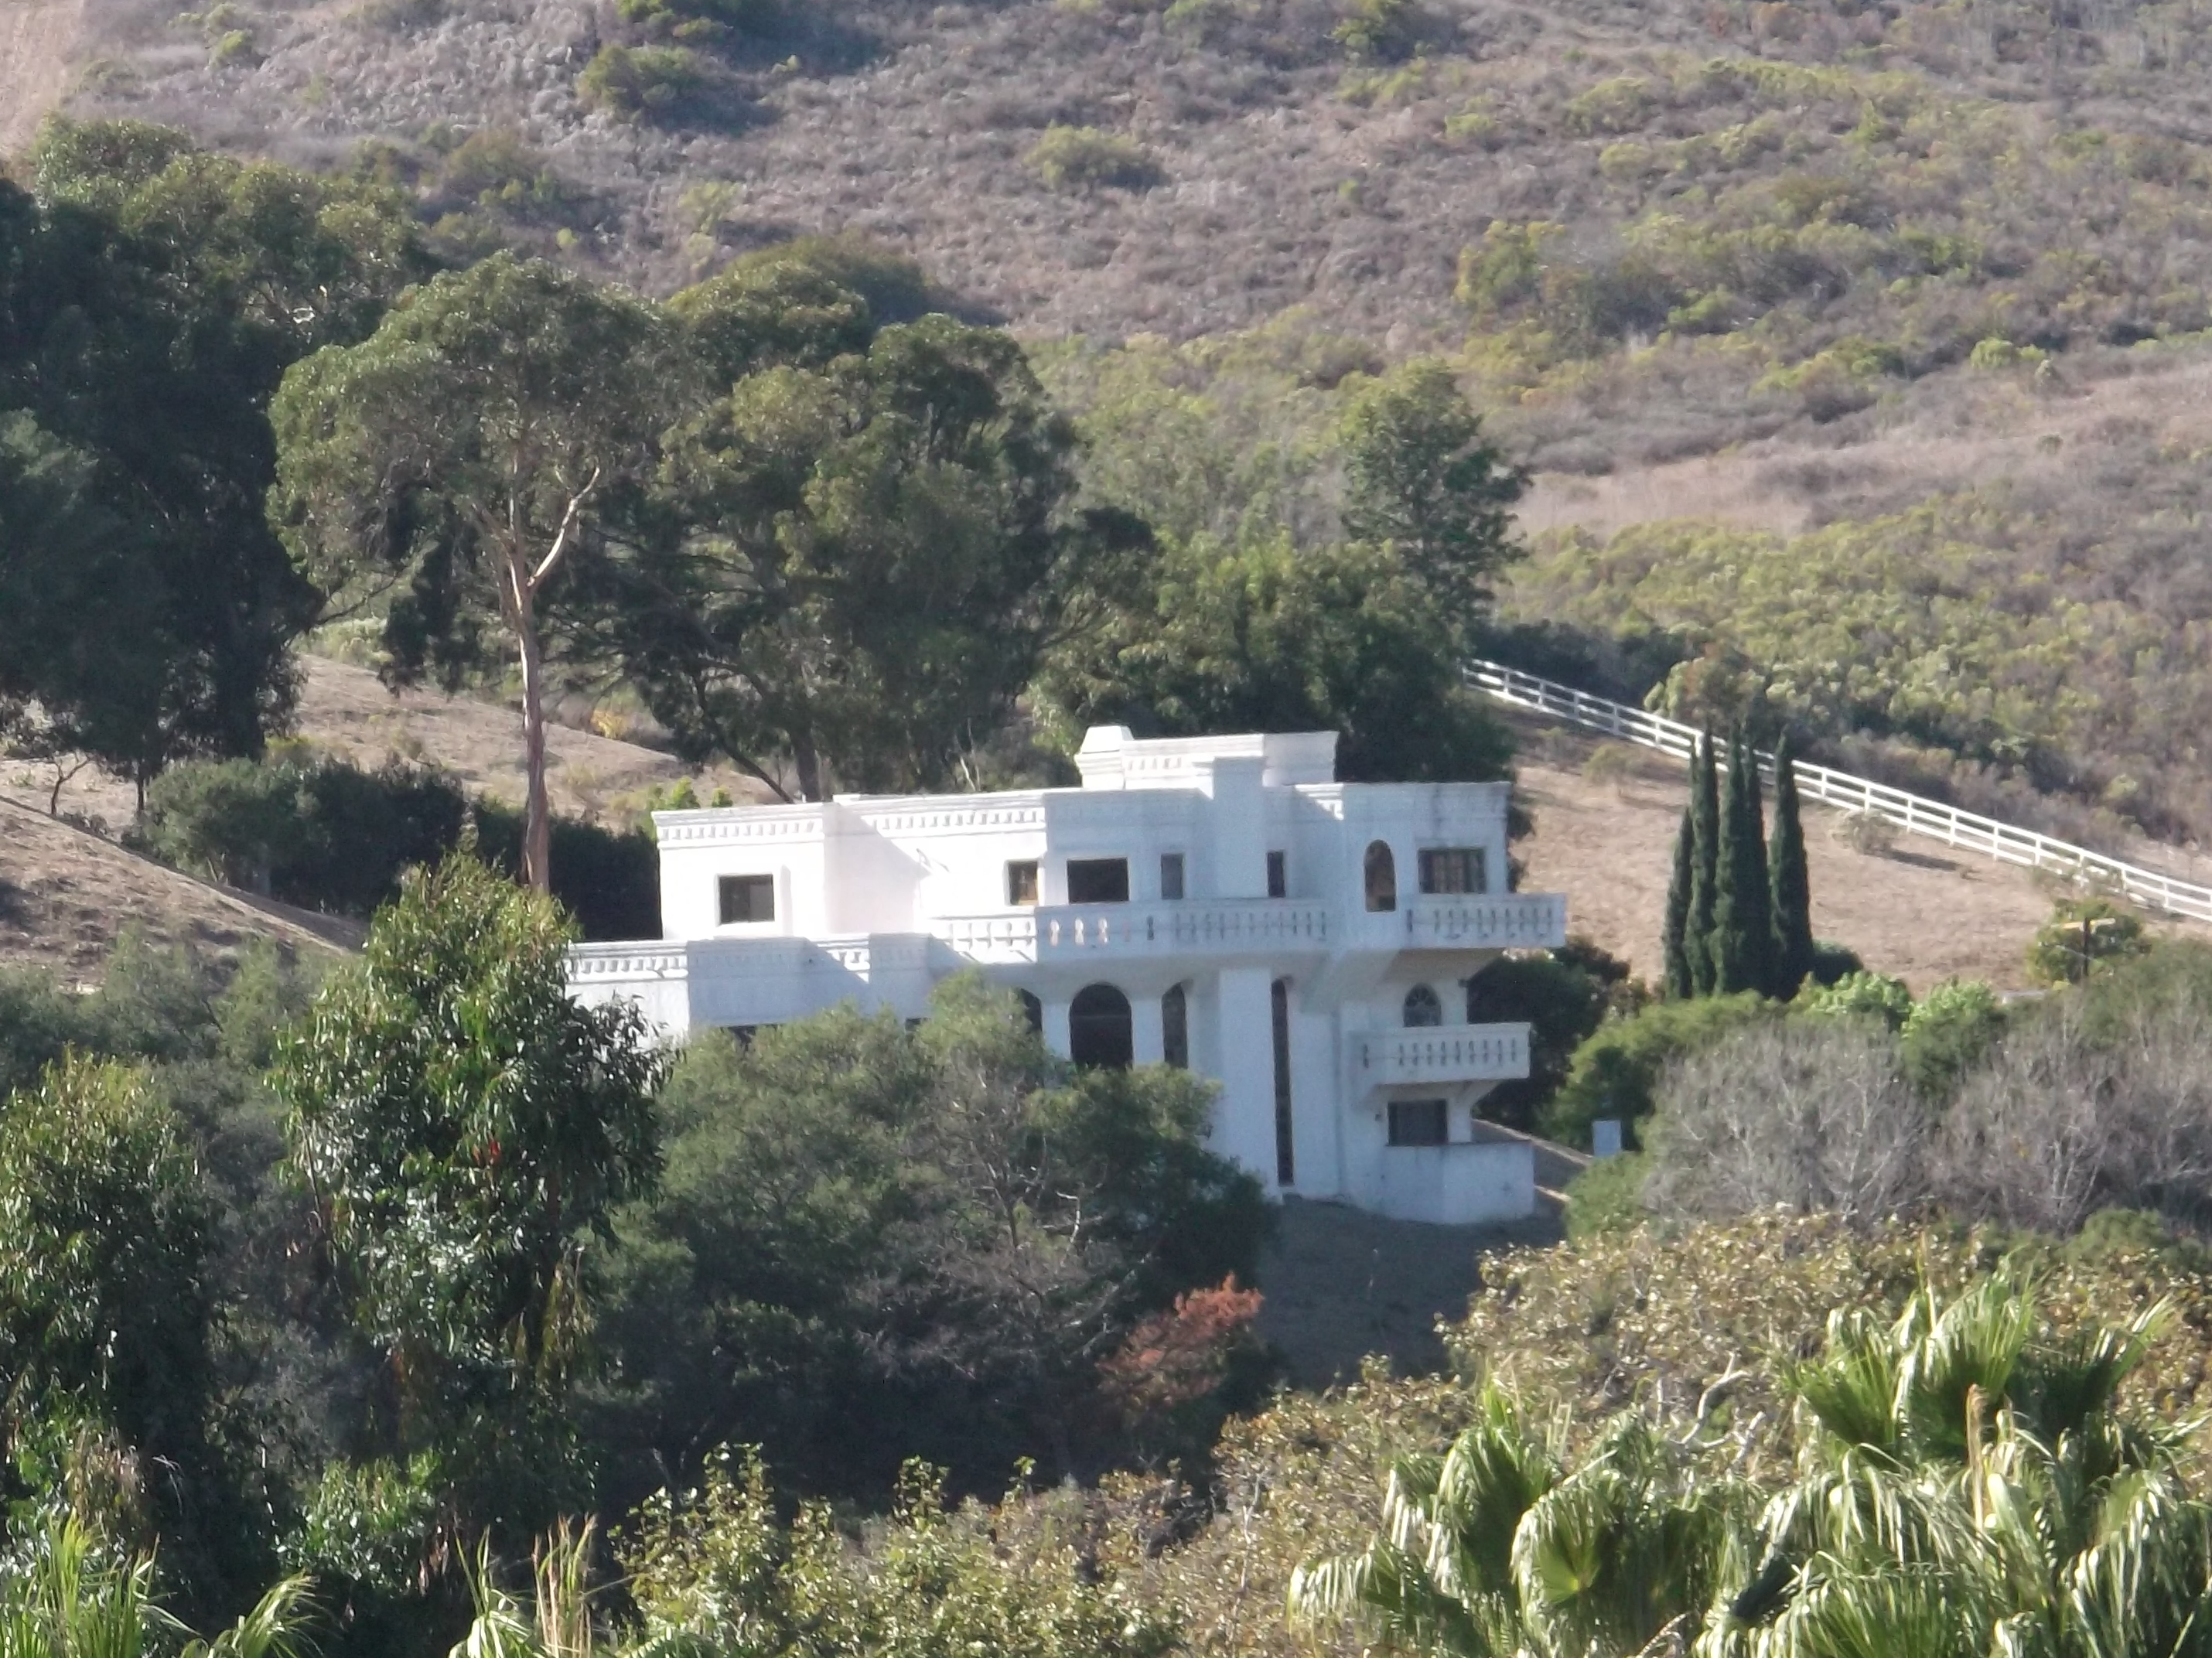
(1504, 920)
(1435, 1055)
(1076, 932)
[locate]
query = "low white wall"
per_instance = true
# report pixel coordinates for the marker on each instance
(1458, 1185)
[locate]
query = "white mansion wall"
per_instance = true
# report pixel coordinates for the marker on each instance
(877, 898)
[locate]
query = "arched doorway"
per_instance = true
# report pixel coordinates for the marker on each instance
(1175, 1027)
(1422, 1007)
(1098, 1029)
(1381, 876)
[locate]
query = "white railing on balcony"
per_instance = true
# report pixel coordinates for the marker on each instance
(1913, 813)
(1233, 927)
(1439, 1054)
(628, 960)
(1505, 921)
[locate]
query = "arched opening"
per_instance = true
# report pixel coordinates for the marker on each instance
(1278, 1005)
(1382, 876)
(1033, 1011)
(1098, 1029)
(1175, 1027)
(1422, 1007)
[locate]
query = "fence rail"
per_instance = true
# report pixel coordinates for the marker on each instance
(1913, 813)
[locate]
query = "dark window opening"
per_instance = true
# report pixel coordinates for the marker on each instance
(1170, 875)
(1279, 875)
(1098, 880)
(1175, 1027)
(1420, 1122)
(1033, 1011)
(1286, 1167)
(1422, 1007)
(747, 898)
(1447, 870)
(1381, 877)
(1021, 882)
(1098, 1029)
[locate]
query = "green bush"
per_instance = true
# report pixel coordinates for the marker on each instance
(2083, 937)
(1613, 1074)
(328, 837)
(632, 83)
(1084, 158)
(1608, 1196)
(1564, 996)
(1863, 995)
(1949, 1032)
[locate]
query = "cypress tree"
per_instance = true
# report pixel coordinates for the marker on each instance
(1675, 941)
(1704, 867)
(1742, 924)
(1789, 885)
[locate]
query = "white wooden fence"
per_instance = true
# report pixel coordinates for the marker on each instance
(1913, 813)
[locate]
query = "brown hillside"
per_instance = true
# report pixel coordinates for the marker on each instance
(1922, 911)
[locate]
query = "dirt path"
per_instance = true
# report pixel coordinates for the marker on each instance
(36, 39)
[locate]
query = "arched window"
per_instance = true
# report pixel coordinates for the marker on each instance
(1033, 1011)
(1381, 876)
(1175, 1027)
(1098, 1032)
(1422, 1007)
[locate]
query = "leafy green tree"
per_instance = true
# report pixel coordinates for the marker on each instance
(872, 1242)
(1264, 637)
(851, 564)
(467, 1132)
(1741, 938)
(1789, 883)
(1418, 474)
(1949, 1032)
(151, 297)
(105, 1291)
(1705, 838)
(459, 457)
(1674, 938)
(1563, 996)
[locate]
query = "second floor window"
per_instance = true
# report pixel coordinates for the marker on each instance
(1170, 875)
(1098, 880)
(745, 898)
(1279, 875)
(1454, 869)
(1021, 882)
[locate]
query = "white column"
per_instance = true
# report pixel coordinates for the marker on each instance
(1145, 1030)
(1244, 1116)
(1056, 1027)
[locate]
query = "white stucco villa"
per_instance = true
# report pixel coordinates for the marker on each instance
(1223, 903)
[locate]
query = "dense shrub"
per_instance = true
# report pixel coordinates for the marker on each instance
(1564, 996)
(635, 83)
(1616, 1072)
(1084, 158)
(2080, 936)
(326, 836)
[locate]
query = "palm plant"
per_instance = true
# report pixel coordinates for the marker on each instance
(66, 1597)
(1495, 1550)
(1969, 1487)
(557, 1623)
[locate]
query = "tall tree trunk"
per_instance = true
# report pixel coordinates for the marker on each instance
(807, 762)
(537, 820)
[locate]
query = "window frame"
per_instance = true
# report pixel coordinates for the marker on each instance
(1020, 872)
(1401, 1112)
(1095, 866)
(1173, 862)
(1279, 874)
(727, 886)
(1430, 863)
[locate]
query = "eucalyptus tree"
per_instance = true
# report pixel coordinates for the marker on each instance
(456, 459)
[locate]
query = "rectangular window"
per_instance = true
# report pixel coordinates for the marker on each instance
(1170, 875)
(1279, 875)
(1286, 1166)
(747, 898)
(1098, 880)
(1454, 869)
(1175, 1027)
(1418, 1122)
(1021, 882)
